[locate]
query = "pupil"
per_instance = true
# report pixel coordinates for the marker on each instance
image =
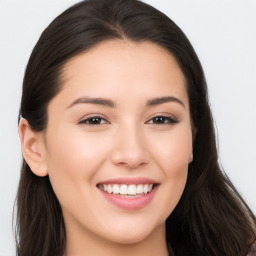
(95, 120)
(159, 120)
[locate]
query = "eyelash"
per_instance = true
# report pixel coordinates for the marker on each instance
(167, 120)
(87, 120)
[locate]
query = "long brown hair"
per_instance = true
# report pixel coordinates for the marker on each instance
(211, 217)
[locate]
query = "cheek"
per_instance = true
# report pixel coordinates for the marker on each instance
(173, 149)
(73, 159)
(74, 150)
(175, 158)
(172, 155)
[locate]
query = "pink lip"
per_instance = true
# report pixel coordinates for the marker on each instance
(129, 181)
(130, 203)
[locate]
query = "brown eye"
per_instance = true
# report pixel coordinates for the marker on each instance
(162, 120)
(95, 120)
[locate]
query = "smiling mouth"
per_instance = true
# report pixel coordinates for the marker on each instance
(127, 191)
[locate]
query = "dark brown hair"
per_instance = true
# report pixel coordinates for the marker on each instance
(211, 218)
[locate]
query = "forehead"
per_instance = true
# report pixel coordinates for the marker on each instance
(122, 52)
(136, 68)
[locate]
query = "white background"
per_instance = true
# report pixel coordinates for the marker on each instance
(223, 33)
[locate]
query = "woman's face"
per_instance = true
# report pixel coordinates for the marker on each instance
(121, 123)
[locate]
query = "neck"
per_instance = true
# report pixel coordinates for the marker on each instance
(85, 243)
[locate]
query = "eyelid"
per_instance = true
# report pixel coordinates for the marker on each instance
(172, 120)
(86, 118)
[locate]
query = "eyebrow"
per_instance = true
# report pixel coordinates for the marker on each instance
(161, 100)
(97, 101)
(112, 104)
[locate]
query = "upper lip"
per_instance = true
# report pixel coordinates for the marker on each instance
(129, 181)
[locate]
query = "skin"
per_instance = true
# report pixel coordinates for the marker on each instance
(127, 142)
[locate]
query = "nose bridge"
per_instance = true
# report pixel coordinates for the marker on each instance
(130, 146)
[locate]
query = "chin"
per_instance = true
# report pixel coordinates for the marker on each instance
(128, 236)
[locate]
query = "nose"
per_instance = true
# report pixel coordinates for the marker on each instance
(130, 149)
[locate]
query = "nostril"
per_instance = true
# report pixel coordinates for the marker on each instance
(130, 152)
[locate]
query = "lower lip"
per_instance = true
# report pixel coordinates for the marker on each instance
(130, 203)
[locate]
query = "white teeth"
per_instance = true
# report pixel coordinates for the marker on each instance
(139, 189)
(123, 189)
(109, 189)
(115, 189)
(145, 188)
(131, 190)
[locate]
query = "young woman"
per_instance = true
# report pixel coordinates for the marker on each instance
(118, 142)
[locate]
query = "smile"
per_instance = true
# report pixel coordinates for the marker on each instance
(128, 191)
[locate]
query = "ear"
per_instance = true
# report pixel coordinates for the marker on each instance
(194, 132)
(33, 148)
(191, 158)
